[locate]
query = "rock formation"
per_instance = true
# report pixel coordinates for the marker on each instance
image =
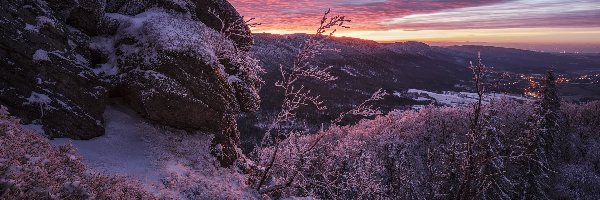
(173, 61)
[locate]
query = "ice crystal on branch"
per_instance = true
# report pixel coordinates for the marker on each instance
(364, 109)
(283, 151)
(294, 95)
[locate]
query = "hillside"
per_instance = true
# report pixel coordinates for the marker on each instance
(363, 66)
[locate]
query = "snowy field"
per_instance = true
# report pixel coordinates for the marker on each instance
(170, 163)
(450, 98)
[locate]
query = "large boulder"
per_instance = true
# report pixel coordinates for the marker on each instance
(45, 76)
(168, 59)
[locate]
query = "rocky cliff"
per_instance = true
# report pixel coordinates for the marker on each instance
(180, 63)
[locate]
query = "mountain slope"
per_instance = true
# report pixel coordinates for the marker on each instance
(363, 66)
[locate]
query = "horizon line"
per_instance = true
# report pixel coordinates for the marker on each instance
(592, 48)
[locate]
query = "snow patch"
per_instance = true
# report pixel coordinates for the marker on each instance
(31, 28)
(450, 98)
(122, 150)
(106, 69)
(41, 55)
(80, 60)
(40, 21)
(37, 98)
(350, 71)
(64, 105)
(159, 30)
(44, 21)
(106, 46)
(154, 74)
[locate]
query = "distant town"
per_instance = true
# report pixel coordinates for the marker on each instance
(529, 84)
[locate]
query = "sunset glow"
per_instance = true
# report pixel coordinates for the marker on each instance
(498, 22)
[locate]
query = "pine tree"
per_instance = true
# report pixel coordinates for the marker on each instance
(533, 163)
(550, 100)
(492, 182)
(539, 142)
(550, 117)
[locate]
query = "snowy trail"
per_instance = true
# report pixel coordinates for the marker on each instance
(123, 149)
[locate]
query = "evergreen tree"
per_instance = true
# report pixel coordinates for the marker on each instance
(492, 182)
(540, 143)
(534, 182)
(550, 117)
(550, 100)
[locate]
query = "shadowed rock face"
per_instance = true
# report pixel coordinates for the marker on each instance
(61, 60)
(45, 76)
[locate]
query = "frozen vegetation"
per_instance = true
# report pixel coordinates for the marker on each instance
(419, 154)
(403, 155)
(32, 168)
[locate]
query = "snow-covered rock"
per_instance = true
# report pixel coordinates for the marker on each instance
(44, 76)
(170, 59)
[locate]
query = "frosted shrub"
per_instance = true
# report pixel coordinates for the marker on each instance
(418, 155)
(278, 148)
(191, 171)
(32, 168)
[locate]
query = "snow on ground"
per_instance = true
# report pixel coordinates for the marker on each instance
(171, 163)
(122, 150)
(450, 98)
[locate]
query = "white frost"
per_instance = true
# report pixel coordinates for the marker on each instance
(233, 78)
(37, 98)
(44, 21)
(41, 55)
(31, 28)
(106, 69)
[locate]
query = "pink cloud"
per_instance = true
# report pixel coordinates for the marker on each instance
(366, 14)
(423, 15)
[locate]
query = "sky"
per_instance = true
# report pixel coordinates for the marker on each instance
(545, 25)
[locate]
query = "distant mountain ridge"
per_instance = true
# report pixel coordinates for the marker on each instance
(363, 66)
(503, 58)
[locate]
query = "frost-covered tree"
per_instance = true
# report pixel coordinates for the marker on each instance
(419, 154)
(532, 181)
(484, 162)
(280, 150)
(296, 95)
(493, 181)
(467, 188)
(550, 117)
